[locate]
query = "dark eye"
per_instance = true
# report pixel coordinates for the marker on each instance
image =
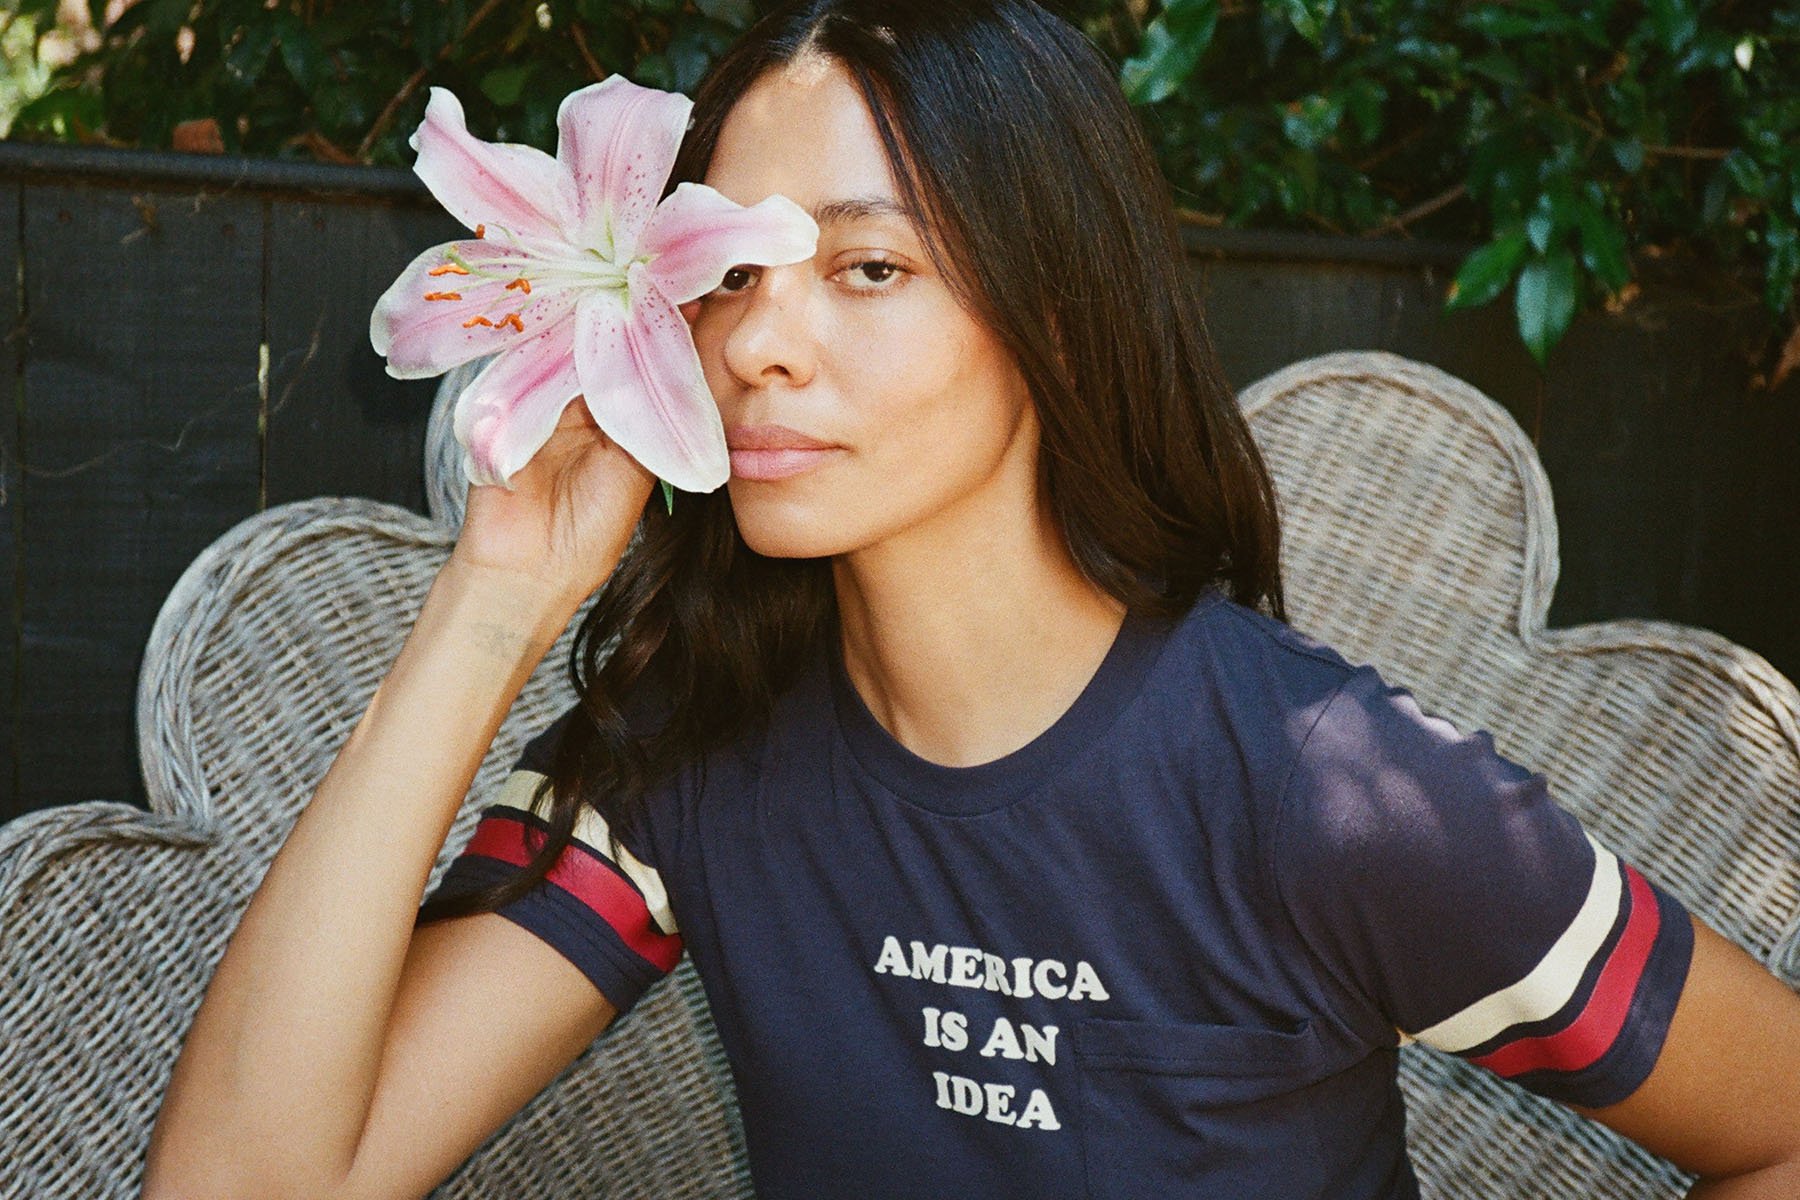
(877, 271)
(724, 283)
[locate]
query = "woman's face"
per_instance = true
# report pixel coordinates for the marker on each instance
(923, 413)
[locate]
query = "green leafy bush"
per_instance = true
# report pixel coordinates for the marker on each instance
(1564, 134)
(1569, 137)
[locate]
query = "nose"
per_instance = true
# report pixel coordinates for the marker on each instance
(771, 338)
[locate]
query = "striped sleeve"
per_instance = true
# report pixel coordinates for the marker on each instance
(607, 912)
(1445, 888)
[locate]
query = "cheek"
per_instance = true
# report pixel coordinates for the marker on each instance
(942, 417)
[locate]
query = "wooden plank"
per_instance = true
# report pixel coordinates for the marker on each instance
(10, 805)
(1264, 315)
(338, 424)
(140, 424)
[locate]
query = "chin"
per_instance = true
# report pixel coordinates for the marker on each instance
(775, 528)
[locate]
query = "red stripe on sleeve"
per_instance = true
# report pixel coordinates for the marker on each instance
(1593, 1031)
(589, 880)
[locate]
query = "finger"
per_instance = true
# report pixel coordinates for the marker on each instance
(576, 415)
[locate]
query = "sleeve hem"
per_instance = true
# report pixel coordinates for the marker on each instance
(571, 928)
(1628, 1062)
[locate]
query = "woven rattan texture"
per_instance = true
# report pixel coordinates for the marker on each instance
(112, 920)
(1418, 536)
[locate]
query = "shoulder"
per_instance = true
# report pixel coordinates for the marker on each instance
(1333, 751)
(1264, 680)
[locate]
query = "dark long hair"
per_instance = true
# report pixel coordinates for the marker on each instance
(1041, 205)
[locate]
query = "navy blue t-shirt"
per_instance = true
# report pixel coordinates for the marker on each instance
(1171, 946)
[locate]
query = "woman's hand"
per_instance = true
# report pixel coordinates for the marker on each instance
(569, 516)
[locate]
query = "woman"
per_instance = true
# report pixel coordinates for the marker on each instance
(1024, 850)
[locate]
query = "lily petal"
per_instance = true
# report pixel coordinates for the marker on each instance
(617, 141)
(509, 410)
(642, 380)
(697, 234)
(421, 338)
(509, 184)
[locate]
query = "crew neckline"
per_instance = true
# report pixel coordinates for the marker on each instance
(983, 787)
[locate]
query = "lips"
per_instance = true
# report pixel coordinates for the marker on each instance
(765, 465)
(770, 437)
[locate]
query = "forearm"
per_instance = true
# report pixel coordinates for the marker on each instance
(1778, 1182)
(280, 1065)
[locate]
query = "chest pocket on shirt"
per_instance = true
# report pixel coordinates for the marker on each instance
(1213, 1110)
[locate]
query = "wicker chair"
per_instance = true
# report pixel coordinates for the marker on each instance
(1419, 536)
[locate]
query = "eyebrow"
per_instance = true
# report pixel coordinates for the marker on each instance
(857, 208)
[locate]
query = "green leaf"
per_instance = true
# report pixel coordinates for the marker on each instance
(1553, 215)
(1675, 23)
(1539, 226)
(654, 70)
(1311, 120)
(58, 110)
(689, 57)
(245, 60)
(301, 53)
(1545, 301)
(1173, 44)
(736, 13)
(1364, 101)
(503, 85)
(164, 18)
(668, 491)
(537, 117)
(1485, 273)
(1308, 17)
(1603, 247)
(1783, 242)
(1501, 68)
(1747, 174)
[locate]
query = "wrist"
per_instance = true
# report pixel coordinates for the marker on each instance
(509, 611)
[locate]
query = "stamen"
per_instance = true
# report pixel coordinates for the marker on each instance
(478, 320)
(513, 320)
(448, 269)
(520, 282)
(480, 230)
(443, 295)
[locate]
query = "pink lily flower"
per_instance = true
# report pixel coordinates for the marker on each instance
(574, 278)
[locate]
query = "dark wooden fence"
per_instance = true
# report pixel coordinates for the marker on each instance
(188, 344)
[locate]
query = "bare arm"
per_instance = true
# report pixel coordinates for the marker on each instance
(1719, 1101)
(278, 1071)
(336, 1052)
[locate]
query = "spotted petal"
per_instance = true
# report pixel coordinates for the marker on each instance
(509, 410)
(421, 338)
(617, 141)
(697, 234)
(509, 184)
(642, 380)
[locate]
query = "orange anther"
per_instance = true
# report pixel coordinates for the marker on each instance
(481, 231)
(520, 282)
(447, 269)
(513, 320)
(478, 321)
(443, 295)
